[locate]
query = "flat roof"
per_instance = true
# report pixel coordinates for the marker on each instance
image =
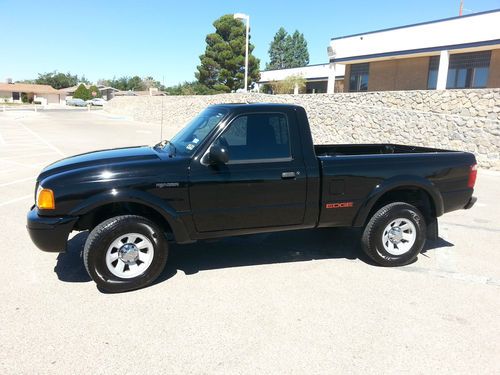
(417, 24)
(474, 32)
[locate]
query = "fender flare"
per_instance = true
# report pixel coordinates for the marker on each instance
(134, 196)
(386, 186)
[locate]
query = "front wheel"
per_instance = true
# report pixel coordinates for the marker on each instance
(125, 253)
(395, 234)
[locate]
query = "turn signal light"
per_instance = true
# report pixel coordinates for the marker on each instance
(472, 176)
(46, 200)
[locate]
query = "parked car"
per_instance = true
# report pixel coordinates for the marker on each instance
(76, 102)
(241, 169)
(96, 101)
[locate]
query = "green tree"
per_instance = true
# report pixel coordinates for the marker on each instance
(190, 88)
(59, 80)
(118, 83)
(298, 54)
(92, 89)
(82, 92)
(278, 51)
(125, 83)
(288, 51)
(150, 82)
(222, 66)
(135, 84)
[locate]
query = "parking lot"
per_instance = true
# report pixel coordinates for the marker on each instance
(297, 302)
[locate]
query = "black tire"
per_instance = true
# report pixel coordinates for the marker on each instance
(101, 238)
(372, 240)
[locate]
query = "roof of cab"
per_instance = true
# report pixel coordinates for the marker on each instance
(249, 106)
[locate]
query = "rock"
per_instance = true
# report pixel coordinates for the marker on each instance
(458, 119)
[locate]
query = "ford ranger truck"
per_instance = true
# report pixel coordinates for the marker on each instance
(239, 169)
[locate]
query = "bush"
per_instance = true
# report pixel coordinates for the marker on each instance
(92, 89)
(82, 93)
(287, 86)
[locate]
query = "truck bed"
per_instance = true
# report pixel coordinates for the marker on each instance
(351, 173)
(372, 149)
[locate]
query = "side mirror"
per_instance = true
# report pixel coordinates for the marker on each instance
(218, 155)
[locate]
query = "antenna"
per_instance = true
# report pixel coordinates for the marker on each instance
(162, 99)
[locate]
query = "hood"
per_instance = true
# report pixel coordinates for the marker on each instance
(102, 157)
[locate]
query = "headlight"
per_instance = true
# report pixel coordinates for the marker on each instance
(45, 199)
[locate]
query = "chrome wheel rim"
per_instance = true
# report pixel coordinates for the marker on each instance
(130, 255)
(399, 236)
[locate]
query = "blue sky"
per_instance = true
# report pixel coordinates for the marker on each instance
(107, 38)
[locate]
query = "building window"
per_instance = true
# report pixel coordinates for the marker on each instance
(16, 96)
(358, 79)
(433, 72)
(316, 87)
(468, 70)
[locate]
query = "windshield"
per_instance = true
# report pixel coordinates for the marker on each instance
(193, 134)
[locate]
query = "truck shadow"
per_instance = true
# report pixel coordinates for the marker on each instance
(261, 249)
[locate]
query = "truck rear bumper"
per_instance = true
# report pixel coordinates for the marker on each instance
(49, 233)
(470, 203)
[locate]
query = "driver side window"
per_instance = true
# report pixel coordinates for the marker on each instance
(257, 137)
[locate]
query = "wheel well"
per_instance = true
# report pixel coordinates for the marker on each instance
(411, 195)
(102, 213)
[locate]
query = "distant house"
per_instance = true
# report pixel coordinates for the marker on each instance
(45, 94)
(106, 92)
(153, 91)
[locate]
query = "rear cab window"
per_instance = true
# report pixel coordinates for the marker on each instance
(259, 136)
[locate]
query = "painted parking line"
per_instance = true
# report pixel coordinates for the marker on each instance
(44, 141)
(32, 166)
(28, 156)
(24, 197)
(8, 170)
(17, 181)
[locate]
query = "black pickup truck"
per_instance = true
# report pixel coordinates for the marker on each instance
(241, 169)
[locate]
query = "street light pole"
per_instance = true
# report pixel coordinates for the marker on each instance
(242, 16)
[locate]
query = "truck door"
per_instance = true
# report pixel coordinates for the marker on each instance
(262, 185)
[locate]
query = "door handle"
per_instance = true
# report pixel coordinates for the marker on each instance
(286, 175)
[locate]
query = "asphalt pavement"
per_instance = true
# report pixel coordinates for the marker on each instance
(284, 303)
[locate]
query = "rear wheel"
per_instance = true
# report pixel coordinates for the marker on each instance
(125, 253)
(395, 234)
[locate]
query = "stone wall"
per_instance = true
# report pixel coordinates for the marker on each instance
(454, 119)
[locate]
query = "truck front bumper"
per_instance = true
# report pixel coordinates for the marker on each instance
(49, 233)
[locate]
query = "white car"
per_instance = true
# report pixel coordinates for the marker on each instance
(96, 101)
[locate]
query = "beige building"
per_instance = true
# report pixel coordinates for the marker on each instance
(453, 53)
(315, 76)
(45, 94)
